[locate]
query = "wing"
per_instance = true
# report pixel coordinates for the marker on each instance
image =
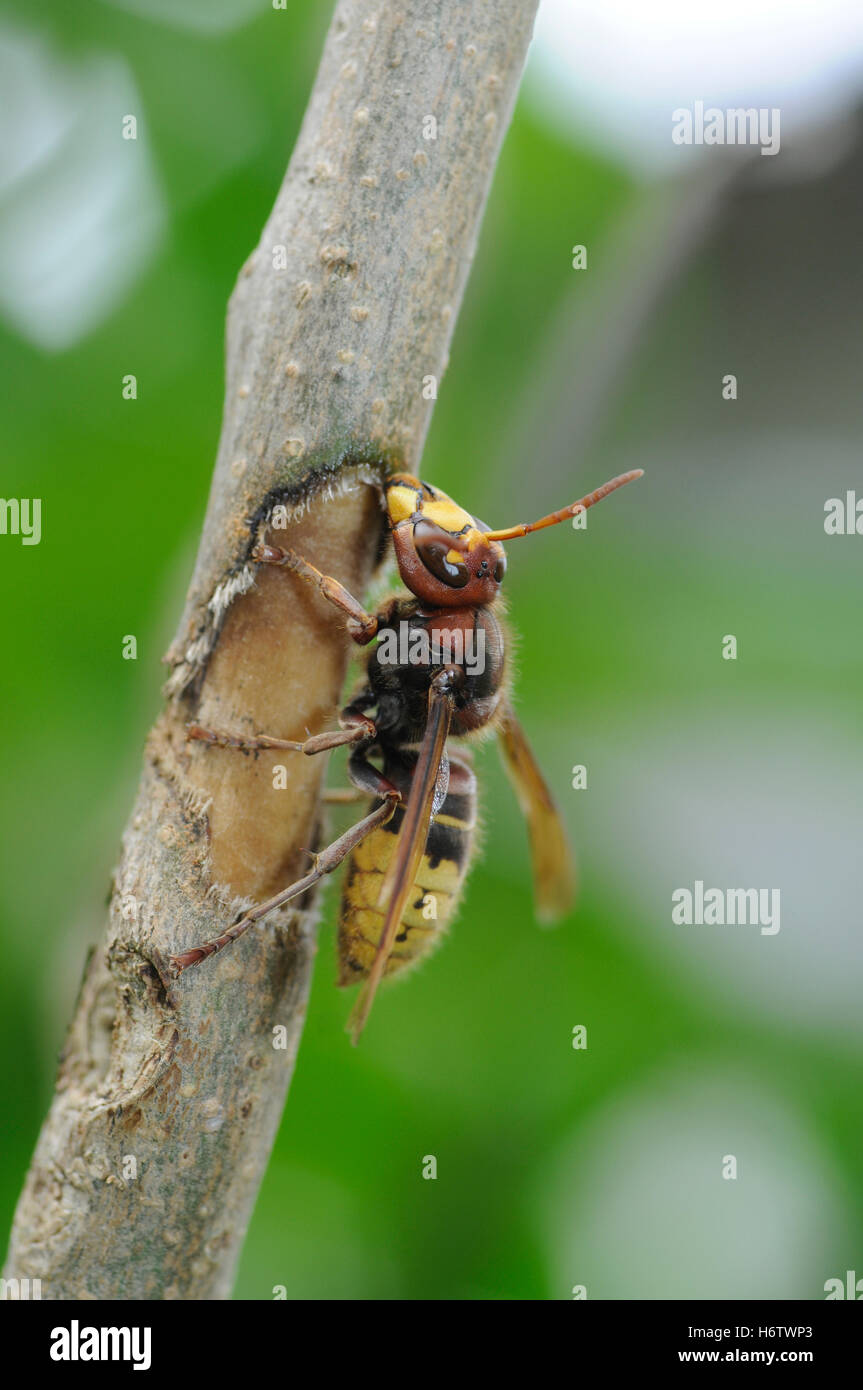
(399, 877)
(553, 867)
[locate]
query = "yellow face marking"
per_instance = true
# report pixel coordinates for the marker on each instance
(401, 503)
(475, 538)
(406, 496)
(445, 513)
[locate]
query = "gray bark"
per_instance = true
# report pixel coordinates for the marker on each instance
(169, 1092)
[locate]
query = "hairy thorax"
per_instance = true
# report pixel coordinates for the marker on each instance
(414, 643)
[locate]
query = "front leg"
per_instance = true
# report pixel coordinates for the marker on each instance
(361, 625)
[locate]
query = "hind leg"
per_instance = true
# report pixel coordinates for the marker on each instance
(324, 863)
(367, 780)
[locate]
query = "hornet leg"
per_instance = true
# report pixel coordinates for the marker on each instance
(356, 727)
(361, 625)
(324, 863)
(317, 743)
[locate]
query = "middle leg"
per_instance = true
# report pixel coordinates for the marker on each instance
(356, 728)
(253, 743)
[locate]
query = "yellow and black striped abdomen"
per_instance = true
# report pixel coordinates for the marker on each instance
(437, 886)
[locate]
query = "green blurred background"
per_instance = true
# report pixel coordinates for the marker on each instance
(556, 1167)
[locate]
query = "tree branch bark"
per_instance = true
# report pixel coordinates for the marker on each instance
(169, 1093)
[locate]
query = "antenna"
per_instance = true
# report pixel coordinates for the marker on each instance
(512, 532)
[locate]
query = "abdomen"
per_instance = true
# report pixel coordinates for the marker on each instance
(437, 887)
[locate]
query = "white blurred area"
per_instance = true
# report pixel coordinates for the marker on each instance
(768, 800)
(635, 1204)
(731, 269)
(609, 73)
(198, 16)
(81, 213)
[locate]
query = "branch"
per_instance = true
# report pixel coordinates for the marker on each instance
(169, 1093)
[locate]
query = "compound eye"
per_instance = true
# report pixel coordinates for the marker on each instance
(433, 545)
(499, 570)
